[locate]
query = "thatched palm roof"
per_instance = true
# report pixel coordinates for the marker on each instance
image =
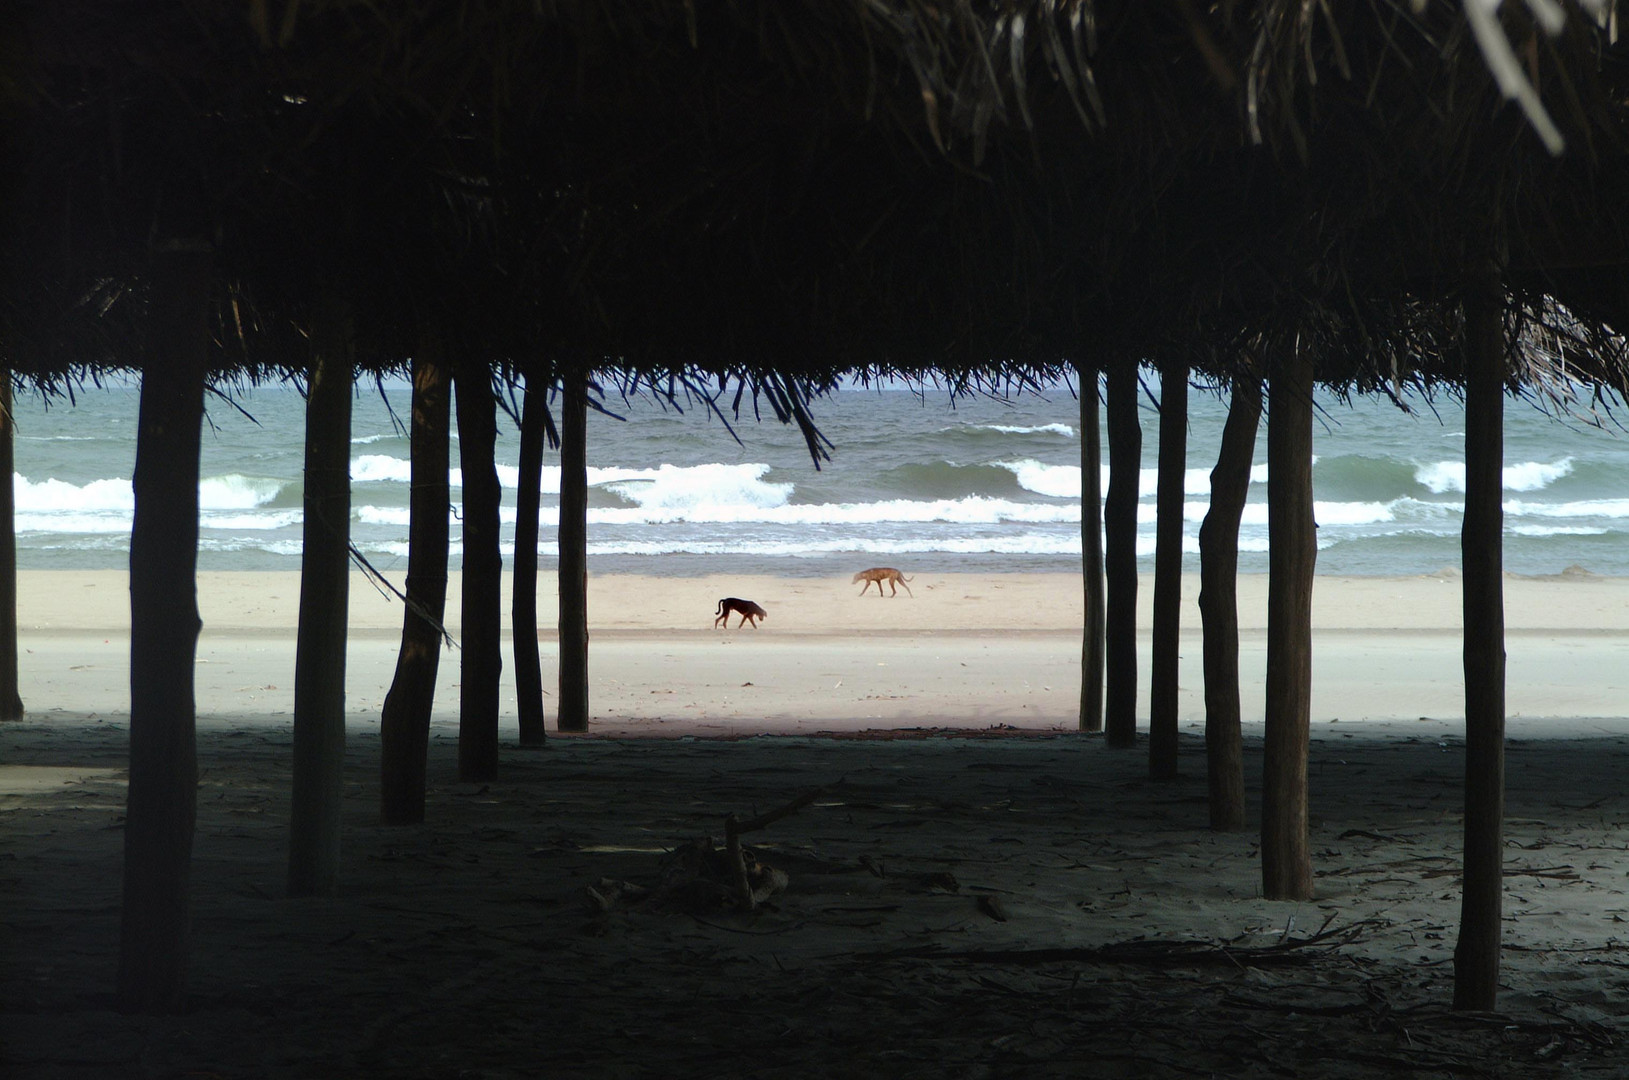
(789, 190)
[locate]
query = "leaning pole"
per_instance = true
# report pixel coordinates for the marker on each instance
(1219, 604)
(1476, 955)
(404, 721)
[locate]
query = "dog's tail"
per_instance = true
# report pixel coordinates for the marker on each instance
(719, 609)
(902, 577)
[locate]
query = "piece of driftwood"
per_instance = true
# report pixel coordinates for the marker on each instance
(700, 877)
(1145, 951)
(747, 896)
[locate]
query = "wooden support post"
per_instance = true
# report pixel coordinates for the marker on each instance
(1476, 955)
(523, 602)
(1219, 608)
(1286, 857)
(1120, 557)
(162, 799)
(319, 656)
(573, 708)
(1166, 643)
(11, 701)
(404, 723)
(1091, 554)
(481, 613)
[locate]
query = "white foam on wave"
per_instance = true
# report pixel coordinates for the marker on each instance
(61, 501)
(73, 524)
(1558, 530)
(382, 515)
(972, 510)
(1605, 508)
(261, 522)
(1040, 429)
(1000, 544)
(1063, 481)
(1190, 545)
(59, 496)
(236, 492)
(1325, 513)
(1194, 481)
(665, 484)
(711, 492)
(1442, 476)
(380, 469)
(1054, 481)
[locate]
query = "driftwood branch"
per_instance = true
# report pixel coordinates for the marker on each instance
(734, 828)
(1289, 950)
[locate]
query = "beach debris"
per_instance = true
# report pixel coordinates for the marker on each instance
(745, 895)
(1152, 951)
(702, 877)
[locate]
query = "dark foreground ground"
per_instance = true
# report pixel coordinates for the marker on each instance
(956, 907)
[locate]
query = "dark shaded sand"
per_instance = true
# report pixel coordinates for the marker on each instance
(1013, 905)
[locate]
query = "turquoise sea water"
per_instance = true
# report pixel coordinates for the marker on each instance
(915, 479)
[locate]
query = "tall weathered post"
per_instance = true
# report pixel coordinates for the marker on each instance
(1476, 955)
(1091, 554)
(1166, 644)
(1286, 857)
(319, 655)
(573, 708)
(11, 700)
(481, 617)
(1219, 605)
(523, 602)
(404, 723)
(162, 799)
(1120, 556)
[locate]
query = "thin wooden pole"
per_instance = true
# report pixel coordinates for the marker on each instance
(11, 701)
(573, 708)
(523, 603)
(404, 722)
(1120, 557)
(1476, 956)
(1219, 608)
(1166, 643)
(1091, 554)
(1286, 857)
(481, 613)
(319, 656)
(162, 797)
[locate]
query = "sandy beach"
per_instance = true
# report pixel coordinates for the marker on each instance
(966, 651)
(978, 891)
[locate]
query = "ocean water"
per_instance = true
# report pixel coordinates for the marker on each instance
(915, 480)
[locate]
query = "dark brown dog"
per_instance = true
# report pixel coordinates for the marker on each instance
(744, 608)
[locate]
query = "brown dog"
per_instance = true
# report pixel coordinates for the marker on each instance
(744, 608)
(880, 574)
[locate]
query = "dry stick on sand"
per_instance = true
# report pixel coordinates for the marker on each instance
(1148, 951)
(732, 840)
